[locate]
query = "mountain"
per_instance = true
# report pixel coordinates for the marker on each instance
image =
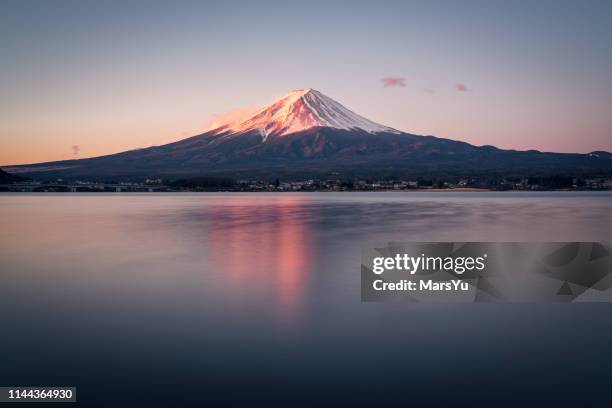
(8, 178)
(298, 111)
(307, 134)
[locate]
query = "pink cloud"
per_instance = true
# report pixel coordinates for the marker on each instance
(393, 81)
(224, 118)
(462, 88)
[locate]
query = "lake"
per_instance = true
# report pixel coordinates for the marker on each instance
(242, 298)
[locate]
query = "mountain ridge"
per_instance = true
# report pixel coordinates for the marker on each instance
(307, 134)
(300, 110)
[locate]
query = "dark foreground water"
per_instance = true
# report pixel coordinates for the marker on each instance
(188, 299)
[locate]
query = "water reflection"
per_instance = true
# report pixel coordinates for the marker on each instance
(259, 293)
(265, 244)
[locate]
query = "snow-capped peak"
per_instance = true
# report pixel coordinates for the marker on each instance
(300, 110)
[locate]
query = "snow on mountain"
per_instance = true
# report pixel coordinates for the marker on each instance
(300, 110)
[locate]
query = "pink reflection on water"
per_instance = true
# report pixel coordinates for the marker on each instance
(265, 246)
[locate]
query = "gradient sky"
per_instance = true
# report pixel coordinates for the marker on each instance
(85, 78)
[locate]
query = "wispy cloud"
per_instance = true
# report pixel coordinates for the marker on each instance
(223, 118)
(76, 149)
(393, 81)
(462, 88)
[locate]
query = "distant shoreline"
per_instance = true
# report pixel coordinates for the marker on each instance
(412, 191)
(440, 190)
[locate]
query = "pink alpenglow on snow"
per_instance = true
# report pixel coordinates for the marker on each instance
(300, 110)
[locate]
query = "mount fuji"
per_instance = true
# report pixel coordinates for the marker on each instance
(300, 110)
(307, 134)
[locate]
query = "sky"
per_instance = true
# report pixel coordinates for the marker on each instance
(87, 78)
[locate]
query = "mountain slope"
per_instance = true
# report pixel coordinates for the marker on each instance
(300, 110)
(307, 134)
(7, 178)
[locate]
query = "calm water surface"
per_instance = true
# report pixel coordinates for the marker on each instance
(181, 299)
